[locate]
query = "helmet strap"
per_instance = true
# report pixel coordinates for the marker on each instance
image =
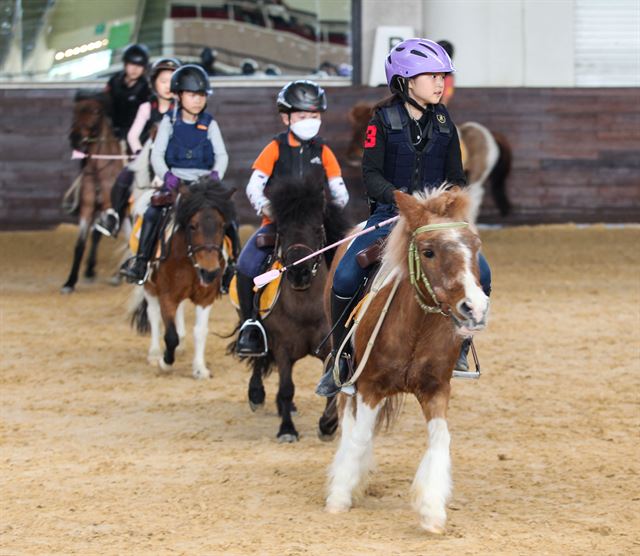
(403, 91)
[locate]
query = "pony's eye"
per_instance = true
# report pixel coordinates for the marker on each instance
(193, 227)
(428, 253)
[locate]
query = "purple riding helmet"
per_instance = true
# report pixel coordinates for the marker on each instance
(415, 56)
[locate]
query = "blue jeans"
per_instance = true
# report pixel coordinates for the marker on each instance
(252, 257)
(349, 274)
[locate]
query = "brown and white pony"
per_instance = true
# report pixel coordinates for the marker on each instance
(417, 346)
(192, 269)
(91, 133)
(488, 158)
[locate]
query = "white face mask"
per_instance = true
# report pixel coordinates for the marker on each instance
(306, 129)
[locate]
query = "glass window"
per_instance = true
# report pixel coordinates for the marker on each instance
(75, 39)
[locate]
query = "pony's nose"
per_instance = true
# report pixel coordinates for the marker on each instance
(208, 276)
(464, 308)
(475, 310)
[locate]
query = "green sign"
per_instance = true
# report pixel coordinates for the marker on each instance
(119, 35)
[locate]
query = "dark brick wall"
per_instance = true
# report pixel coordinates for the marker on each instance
(576, 151)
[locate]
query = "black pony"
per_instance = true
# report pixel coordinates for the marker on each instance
(296, 326)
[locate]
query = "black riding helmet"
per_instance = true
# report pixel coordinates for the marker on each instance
(136, 54)
(162, 64)
(190, 78)
(301, 96)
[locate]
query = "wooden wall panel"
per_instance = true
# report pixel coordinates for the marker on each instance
(576, 152)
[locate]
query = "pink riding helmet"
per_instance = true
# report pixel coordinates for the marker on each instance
(415, 56)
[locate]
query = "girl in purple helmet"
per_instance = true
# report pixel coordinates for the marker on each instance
(411, 144)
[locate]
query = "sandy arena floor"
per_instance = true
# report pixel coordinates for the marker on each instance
(102, 455)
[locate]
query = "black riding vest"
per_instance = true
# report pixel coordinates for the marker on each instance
(189, 145)
(298, 161)
(406, 167)
(125, 102)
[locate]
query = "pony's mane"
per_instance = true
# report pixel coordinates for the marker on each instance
(394, 255)
(205, 193)
(295, 201)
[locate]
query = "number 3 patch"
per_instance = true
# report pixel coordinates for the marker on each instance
(370, 139)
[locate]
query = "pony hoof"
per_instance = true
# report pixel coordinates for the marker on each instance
(66, 290)
(337, 507)
(287, 438)
(255, 406)
(163, 365)
(326, 437)
(90, 279)
(201, 373)
(435, 527)
(153, 358)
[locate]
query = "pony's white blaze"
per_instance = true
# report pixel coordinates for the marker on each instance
(155, 321)
(353, 460)
(475, 298)
(200, 330)
(432, 483)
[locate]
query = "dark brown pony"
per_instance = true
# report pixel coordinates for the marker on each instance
(192, 269)
(297, 324)
(417, 345)
(489, 157)
(91, 133)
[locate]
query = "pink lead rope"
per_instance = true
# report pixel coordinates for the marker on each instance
(264, 279)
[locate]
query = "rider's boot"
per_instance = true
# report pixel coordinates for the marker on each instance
(232, 233)
(111, 219)
(252, 338)
(462, 364)
(339, 315)
(136, 272)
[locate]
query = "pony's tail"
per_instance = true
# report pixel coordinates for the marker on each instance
(390, 411)
(138, 312)
(498, 176)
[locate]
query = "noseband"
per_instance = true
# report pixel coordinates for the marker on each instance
(193, 249)
(416, 273)
(303, 246)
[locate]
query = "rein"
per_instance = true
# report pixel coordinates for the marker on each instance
(417, 275)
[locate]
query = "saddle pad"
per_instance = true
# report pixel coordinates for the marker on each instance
(268, 296)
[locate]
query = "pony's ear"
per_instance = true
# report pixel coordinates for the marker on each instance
(228, 192)
(453, 204)
(409, 207)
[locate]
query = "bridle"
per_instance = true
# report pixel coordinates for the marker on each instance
(304, 247)
(193, 249)
(417, 276)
